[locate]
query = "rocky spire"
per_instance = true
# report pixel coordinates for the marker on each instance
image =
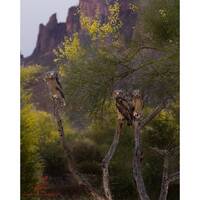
(53, 33)
(52, 21)
(73, 20)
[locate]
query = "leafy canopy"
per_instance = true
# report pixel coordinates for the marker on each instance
(92, 70)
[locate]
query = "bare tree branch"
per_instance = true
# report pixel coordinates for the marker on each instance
(159, 151)
(166, 178)
(173, 177)
(152, 115)
(81, 182)
(164, 183)
(137, 168)
(107, 159)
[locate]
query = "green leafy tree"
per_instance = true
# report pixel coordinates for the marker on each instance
(36, 127)
(150, 61)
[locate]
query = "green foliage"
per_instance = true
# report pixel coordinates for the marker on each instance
(29, 73)
(161, 21)
(54, 161)
(87, 78)
(36, 129)
(98, 30)
(51, 150)
(163, 133)
(91, 71)
(31, 164)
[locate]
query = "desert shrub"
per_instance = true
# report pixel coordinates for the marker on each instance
(29, 73)
(31, 164)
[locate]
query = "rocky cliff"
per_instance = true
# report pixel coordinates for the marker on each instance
(49, 37)
(53, 33)
(73, 21)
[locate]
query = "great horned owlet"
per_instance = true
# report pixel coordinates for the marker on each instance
(137, 103)
(54, 86)
(124, 110)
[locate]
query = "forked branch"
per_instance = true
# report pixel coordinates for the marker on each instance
(137, 167)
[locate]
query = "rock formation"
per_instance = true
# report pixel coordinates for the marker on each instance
(73, 21)
(53, 33)
(49, 37)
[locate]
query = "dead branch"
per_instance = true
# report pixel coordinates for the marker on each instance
(81, 182)
(165, 175)
(159, 151)
(107, 159)
(166, 178)
(137, 168)
(137, 125)
(152, 115)
(173, 177)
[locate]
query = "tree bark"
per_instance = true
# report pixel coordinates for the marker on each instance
(166, 178)
(81, 182)
(137, 168)
(107, 159)
(165, 182)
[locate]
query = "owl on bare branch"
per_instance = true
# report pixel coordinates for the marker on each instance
(129, 105)
(55, 87)
(137, 104)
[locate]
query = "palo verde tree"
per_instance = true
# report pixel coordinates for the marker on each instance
(150, 61)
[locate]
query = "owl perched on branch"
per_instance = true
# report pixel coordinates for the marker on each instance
(123, 104)
(137, 104)
(55, 87)
(129, 106)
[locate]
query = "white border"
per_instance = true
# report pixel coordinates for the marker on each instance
(190, 100)
(9, 100)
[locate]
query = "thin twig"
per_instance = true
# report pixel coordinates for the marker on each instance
(159, 151)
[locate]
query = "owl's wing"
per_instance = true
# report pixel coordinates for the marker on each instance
(61, 92)
(58, 82)
(123, 107)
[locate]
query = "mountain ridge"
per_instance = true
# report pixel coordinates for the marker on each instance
(53, 33)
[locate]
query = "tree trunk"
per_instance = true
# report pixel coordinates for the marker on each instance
(137, 169)
(107, 159)
(167, 178)
(165, 182)
(70, 162)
